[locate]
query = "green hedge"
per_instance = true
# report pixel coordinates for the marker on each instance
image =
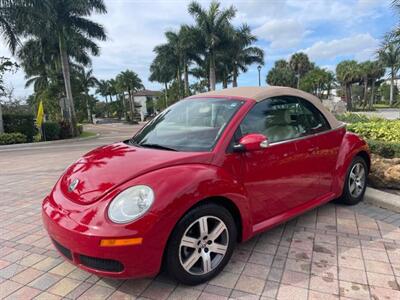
(22, 123)
(380, 130)
(385, 149)
(51, 131)
(353, 118)
(12, 138)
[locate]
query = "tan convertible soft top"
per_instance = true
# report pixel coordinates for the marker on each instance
(262, 93)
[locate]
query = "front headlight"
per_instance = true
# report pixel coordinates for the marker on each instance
(130, 204)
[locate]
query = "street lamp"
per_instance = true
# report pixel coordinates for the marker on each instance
(259, 76)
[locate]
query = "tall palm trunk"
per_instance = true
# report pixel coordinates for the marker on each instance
(106, 107)
(68, 90)
(371, 101)
(186, 78)
(1, 120)
(365, 101)
(234, 79)
(348, 97)
(179, 79)
(131, 105)
(212, 71)
(391, 86)
(298, 81)
(89, 112)
(166, 94)
(124, 109)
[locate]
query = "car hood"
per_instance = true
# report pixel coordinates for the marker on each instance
(106, 167)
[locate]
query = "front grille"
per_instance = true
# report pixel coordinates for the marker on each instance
(66, 252)
(101, 263)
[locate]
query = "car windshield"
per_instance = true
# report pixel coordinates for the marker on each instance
(188, 125)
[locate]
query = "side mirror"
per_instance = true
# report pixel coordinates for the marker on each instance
(251, 142)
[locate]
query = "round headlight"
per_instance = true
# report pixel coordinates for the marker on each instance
(130, 204)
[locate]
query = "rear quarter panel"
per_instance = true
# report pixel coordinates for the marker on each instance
(351, 145)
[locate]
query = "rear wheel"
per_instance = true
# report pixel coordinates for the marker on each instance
(356, 182)
(201, 244)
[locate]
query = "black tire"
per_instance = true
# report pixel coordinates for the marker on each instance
(213, 214)
(347, 197)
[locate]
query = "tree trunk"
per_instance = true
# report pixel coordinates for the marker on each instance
(234, 79)
(124, 107)
(89, 112)
(348, 97)
(178, 79)
(166, 94)
(225, 83)
(131, 105)
(212, 71)
(68, 90)
(1, 120)
(186, 78)
(365, 100)
(106, 114)
(298, 81)
(371, 101)
(391, 87)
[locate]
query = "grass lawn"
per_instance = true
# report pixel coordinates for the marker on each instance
(87, 134)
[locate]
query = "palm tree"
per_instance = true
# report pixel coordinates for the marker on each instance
(389, 55)
(347, 73)
(65, 22)
(281, 74)
(241, 53)
(376, 72)
(300, 64)
(212, 24)
(130, 82)
(366, 70)
(161, 72)
(87, 81)
(103, 88)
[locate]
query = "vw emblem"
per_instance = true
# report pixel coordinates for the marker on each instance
(73, 185)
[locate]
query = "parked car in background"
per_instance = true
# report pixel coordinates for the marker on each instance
(210, 171)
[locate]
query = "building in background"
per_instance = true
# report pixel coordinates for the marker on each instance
(144, 102)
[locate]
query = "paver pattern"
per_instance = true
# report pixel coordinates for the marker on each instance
(333, 252)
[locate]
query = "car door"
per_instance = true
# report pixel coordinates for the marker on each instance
(274, 177)
(325, 144)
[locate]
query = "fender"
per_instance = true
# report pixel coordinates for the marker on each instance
(180, 194)
(351, 145)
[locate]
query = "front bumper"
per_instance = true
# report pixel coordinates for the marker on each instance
(80, 244)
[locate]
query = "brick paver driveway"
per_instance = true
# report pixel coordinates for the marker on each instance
(330, 253)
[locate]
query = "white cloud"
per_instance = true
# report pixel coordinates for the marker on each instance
(361, 46)
(284, 33)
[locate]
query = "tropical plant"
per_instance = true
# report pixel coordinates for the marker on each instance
(347, 73)
(87, 81)
(212, 25)
(241, 53)
(281, 74)
(389, 55)
(317, 81)
(129, 82)
(62, 22)
(6, 65)
(300, 64)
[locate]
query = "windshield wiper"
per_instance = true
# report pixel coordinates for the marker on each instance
(157, 146)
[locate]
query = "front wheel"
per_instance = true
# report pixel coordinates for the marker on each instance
(356, 182)
(201, 244)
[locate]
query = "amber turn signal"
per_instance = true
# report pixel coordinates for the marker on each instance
(120, 242)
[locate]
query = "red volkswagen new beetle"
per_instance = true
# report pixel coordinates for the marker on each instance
(208, 172)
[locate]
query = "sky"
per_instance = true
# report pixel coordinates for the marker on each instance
(327, 30)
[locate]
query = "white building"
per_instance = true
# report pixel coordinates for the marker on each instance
(144, 102)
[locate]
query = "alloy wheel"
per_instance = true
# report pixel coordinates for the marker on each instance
(357, 180)
(203, 245)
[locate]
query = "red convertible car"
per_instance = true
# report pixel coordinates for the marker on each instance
(209, 171)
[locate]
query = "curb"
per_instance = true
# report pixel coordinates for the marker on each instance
(382, 199)
(33, 145)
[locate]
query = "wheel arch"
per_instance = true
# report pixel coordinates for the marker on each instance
(365, 155)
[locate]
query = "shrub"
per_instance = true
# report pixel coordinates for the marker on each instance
(12, 138)
(377, 130)
(22, 122)
(385, 149)
(80, 128)
(64, 130)
(51, 131)
(352, 117)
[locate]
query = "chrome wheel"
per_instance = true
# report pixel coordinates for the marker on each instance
(203, 245)
(357, 180)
